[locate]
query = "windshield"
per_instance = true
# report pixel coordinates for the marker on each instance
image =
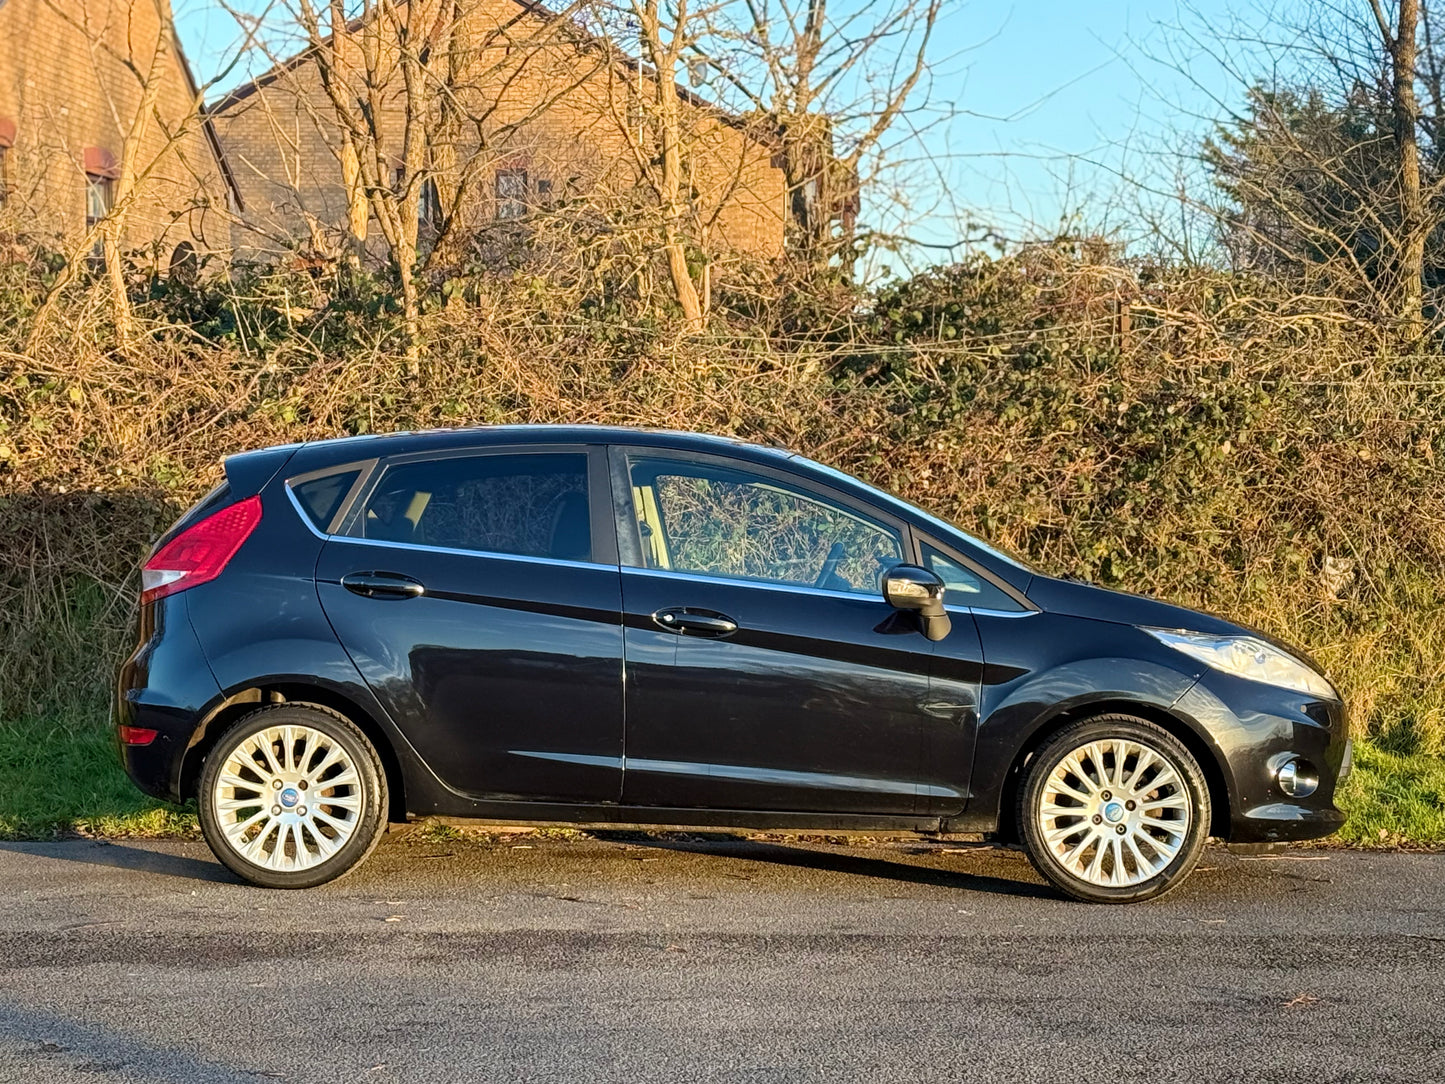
(937, 523)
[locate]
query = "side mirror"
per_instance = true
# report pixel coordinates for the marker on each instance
(917, 590)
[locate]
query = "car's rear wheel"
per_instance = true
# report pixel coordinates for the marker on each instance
(1114, 809)
(292, 796)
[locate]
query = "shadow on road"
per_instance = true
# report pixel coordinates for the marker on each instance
(853, 865)
(120, 856)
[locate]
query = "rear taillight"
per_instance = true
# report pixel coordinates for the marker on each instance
(137, 735)
(198, 554)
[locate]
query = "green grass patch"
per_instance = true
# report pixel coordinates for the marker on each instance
(1394, 800)
(62, 776)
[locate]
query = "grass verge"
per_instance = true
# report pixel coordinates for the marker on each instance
(60, 777)
(1393, 800)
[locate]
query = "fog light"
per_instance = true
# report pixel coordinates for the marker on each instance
(137, 735)
(1298, 778)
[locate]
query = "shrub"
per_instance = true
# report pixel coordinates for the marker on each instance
(1202, 436)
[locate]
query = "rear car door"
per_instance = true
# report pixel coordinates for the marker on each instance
(765, 670)
(478, 594)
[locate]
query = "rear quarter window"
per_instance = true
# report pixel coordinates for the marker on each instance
(321, 498)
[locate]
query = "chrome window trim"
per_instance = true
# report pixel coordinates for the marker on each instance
(334, 536)
(767, 585)
(991, 613)
(923, 538)
(493, 555)
(302, 515)
(364, 469)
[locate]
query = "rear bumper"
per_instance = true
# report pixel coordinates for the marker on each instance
(1255, 730)
(164, 686)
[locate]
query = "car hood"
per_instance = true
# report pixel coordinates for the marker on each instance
(1087, 600)
(1102, 604)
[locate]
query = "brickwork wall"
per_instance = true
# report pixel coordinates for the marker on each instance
(558, 112)
(64, 92)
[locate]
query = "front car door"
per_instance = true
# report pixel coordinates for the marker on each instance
(975, 597)
(478, 594)
(765, 671)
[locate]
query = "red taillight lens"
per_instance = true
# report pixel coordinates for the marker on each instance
(198, 554)
(137, 735)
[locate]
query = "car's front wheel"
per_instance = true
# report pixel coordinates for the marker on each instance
(292, 796)
(1114, 809)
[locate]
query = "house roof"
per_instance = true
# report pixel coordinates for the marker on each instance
(527, 7)
(206, 126)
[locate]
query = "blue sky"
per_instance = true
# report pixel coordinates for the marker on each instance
(1054, 99)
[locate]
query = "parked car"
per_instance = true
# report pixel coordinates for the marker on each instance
(549, 624)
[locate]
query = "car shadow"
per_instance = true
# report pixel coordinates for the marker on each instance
(801, 856)
(99, 852)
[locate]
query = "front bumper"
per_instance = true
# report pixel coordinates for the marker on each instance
(1255, 729)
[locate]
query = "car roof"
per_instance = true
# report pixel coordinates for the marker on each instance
(376, 445)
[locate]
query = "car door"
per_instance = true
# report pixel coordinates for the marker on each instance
(975, 598)
(765, 671)
(478, 594)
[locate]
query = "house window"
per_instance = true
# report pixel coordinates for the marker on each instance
(511, 193)
(428, 205)
(99, 198)
(429, 209)
(7, 140)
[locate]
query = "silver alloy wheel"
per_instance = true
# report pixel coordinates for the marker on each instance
(1115, 812)
(288, 797)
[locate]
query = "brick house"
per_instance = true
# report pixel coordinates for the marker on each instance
(553, 119)
(67, 99)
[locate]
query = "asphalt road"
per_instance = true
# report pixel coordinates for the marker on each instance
(612, 960)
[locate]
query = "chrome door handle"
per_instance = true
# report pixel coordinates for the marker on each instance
(686, 621)
(382, 585)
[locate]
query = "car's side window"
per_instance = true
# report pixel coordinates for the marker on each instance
(321, 497)
(966, 587)
(533, 505)
(724, 521)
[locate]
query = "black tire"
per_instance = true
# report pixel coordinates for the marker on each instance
(368, 794)
(1095, 814)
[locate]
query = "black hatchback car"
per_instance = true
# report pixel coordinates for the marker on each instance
(572, 624)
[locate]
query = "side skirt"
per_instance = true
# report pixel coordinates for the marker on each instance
(613, 816)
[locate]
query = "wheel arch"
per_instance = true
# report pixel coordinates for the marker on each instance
(1209, 759)
(242, 701)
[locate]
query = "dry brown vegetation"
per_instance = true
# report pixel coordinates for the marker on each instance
(1201, 436)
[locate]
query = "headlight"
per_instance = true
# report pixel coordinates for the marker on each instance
(1247, 657)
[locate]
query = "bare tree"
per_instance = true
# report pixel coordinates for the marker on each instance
(690, 162)
(1402, 48)
(1332, 170)
(658, 141)
(829, 84)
